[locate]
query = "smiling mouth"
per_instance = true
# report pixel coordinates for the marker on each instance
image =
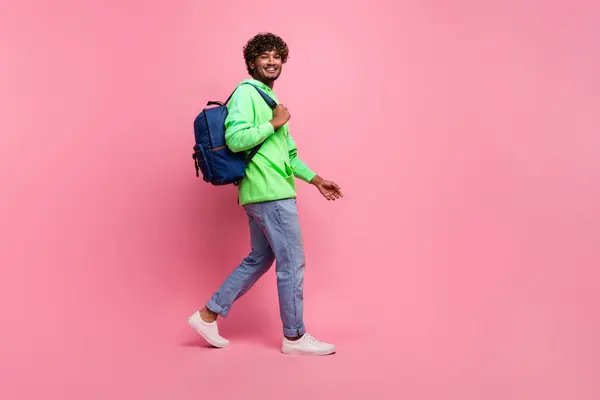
(271, 69)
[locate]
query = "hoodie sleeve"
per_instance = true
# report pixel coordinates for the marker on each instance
(300, 169)
(240, 132)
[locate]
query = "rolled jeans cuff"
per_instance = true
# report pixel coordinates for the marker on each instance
(294, 332)
(214, 307)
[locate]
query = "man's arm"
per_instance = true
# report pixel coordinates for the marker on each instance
(300, 169)
(241, 134)
(330, 190)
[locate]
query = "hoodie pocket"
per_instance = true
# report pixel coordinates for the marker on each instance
(289, 172)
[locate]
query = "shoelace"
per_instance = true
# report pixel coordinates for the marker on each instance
(313, 340)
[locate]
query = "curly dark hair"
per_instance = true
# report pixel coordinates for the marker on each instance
(264, 42)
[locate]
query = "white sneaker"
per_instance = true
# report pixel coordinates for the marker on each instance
(307, 345)
(208, 330)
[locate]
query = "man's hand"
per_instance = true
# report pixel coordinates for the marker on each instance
(281, 116)
(330, 190)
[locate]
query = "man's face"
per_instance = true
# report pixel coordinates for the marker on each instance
(267, 66)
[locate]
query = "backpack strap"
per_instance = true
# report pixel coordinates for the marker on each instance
(271, 104)
(265, 96)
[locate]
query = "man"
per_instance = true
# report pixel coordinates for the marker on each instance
(268, 195)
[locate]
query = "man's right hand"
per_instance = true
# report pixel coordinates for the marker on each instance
(281, 116)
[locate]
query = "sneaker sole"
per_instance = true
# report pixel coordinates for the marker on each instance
(306, 353)
(199, 332)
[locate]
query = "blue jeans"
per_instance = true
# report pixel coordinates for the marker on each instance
(274, 235)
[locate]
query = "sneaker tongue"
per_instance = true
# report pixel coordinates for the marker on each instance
(311, 339)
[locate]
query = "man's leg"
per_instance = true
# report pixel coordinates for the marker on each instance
(280, 219)
(237, 283)
(283, 232)
(247, 272)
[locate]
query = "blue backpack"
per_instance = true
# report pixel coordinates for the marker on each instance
(219, 165)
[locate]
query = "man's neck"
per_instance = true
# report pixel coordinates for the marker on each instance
(269, 84)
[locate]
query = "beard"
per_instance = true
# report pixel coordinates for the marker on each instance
(270, 76)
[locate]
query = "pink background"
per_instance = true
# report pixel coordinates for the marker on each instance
(462, 264)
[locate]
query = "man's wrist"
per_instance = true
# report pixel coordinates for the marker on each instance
(317, 180)
(275, 124)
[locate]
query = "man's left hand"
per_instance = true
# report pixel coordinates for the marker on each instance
(330, 190)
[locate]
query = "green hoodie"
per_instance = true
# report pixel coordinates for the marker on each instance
(270, 174)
